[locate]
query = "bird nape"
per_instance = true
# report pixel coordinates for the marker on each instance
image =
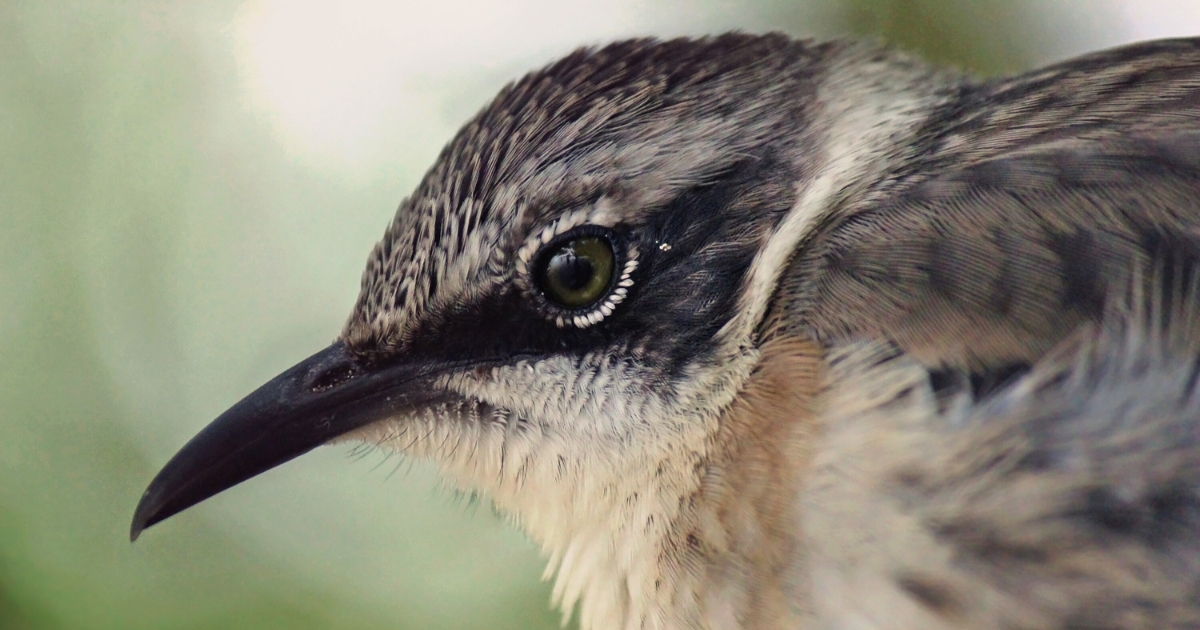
(749, 332)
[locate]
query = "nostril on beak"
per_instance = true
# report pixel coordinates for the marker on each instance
(332, 377)
(336, 368)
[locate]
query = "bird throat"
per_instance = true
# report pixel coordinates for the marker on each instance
(726, 548)
(744, 528)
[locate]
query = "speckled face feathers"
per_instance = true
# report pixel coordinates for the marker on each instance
(628, 125)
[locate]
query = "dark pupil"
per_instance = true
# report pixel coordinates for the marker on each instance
(577, 273)
(569, 270)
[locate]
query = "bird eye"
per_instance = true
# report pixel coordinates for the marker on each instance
(578, 272)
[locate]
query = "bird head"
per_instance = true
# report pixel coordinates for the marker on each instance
(559, 314)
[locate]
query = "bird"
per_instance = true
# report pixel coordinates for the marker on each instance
(754, 332)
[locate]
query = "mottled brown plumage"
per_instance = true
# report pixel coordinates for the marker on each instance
(867, 343)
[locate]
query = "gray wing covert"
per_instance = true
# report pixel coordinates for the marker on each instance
(997, 261)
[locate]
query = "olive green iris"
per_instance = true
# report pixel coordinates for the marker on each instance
(578, 272)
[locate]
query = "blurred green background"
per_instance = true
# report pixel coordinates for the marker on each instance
(187, 194)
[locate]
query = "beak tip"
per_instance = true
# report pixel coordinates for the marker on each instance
(143, 517)
(288, 416)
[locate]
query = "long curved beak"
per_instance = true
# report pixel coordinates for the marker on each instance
(320, 398)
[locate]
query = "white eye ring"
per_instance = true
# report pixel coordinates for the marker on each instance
(568, 227)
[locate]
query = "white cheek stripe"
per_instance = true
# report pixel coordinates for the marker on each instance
(861, 122)
(768, 263)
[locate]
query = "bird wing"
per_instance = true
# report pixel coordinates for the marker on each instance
(994, 263)
(1069, 499)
